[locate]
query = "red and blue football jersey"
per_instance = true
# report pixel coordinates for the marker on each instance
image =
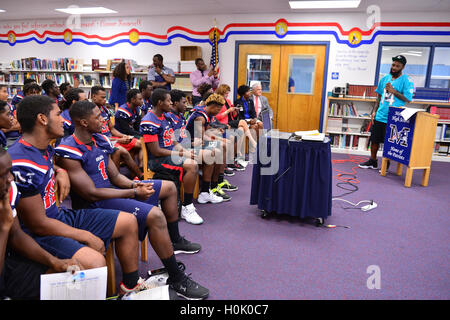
(14, 196)
(179, 125)
(106, 119)
(13, 112)
(198, 111)
(34, 173)
(154, 128)
(94, 157)
(69, 128)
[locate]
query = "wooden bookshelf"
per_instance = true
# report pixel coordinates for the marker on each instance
(60, 76)
(366, 105)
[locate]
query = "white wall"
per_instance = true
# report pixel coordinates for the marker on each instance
(360, 69)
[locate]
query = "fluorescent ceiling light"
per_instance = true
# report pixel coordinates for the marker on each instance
(324, 4)
(410, 54)
(2, 10)
(415, 51)
(91, 10)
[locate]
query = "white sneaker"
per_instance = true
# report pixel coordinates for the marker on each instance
(189, 213)
(206, 197)
(242, 162)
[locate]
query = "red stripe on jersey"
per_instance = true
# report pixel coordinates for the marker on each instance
(150, 138)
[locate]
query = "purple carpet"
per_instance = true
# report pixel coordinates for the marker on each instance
(406, 236)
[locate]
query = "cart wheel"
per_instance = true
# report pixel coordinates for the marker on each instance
(319, 222)
(264, 214)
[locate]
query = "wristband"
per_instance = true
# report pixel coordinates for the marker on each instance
(132, 185)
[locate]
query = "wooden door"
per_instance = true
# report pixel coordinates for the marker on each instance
(300, 105)
(267, 71)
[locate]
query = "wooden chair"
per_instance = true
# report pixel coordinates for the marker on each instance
(111, 278)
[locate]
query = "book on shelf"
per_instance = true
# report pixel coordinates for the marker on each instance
(347, 141)
(438, 133)
(95, 64)
(445, 136)
(361, 91)
(345, 109)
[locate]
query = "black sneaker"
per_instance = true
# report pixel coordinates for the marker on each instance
(369, 164)
(219, 192)
(225, 185)
(185, 246)
(236, 166)
(228, 172)
(188, 288)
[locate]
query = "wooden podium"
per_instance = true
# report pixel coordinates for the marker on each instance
(409, 143)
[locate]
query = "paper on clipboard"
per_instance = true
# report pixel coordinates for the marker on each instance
(83, 285)
(409, 112)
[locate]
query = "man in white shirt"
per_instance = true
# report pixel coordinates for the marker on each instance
(260, 102)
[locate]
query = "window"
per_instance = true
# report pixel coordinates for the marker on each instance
(428, 64)
(258, 70)
(301, 74)
(416, 65)
(440, 74)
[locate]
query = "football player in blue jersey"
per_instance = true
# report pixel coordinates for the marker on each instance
(22, 260)
(97, 183)
(66, 233)
(118, 139)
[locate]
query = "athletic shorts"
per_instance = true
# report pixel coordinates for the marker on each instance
(139, 209)
(378, 132)
(21, 277)
(128, 146)
(172, 165)
(100, 222)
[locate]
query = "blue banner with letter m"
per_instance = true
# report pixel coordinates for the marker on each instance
(399, 136)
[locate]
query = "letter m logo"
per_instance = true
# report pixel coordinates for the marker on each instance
(399, 137)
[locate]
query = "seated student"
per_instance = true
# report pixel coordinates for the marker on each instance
(120, 154)
(22, 260)
(6, 122)
(72, 96)
(20, 95)
(157, 130)
(13, 133)
(177, 110)
(146, 89)
(51, 89)
(127, 120)
(229, 115)
(31, 89)
(83, 235)
(202, 125)
(247, 110)
(203, 90)
(63, 89)
(97, 183)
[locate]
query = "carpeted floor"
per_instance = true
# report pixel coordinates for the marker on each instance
(406, 236)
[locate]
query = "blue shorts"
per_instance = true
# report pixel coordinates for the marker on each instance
(139, 209)
(99, 222)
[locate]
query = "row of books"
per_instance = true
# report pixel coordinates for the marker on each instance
(342, 109)
(443, 133)
(344, 125)
(352, 142)
(365, 91)
(33, 63)
(444, 113)
(442, 149)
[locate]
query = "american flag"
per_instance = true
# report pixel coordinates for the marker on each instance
(215, 52)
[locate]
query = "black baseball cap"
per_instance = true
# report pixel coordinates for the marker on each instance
(399, 58)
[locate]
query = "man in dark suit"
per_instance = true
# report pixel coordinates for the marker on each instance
(260, 102)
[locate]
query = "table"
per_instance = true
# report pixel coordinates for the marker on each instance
(305, 189)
